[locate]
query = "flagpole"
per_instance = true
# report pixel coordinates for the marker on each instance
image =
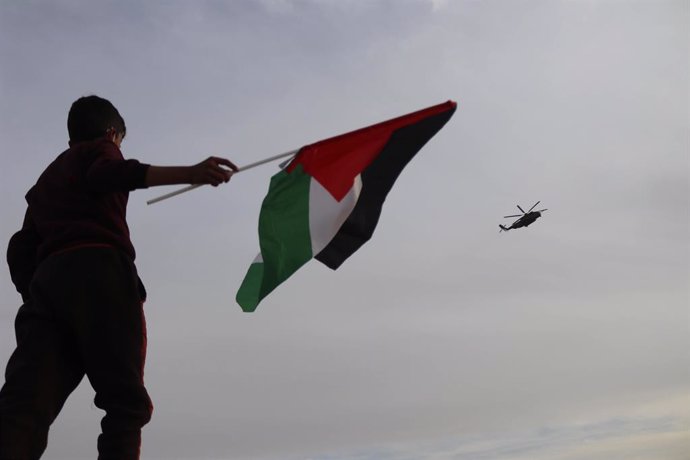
(243, 168)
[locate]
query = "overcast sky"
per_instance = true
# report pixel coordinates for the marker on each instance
(441, 338)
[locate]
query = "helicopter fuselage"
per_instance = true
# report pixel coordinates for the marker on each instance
(526, 220)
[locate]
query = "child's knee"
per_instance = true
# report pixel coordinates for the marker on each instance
(131, 408)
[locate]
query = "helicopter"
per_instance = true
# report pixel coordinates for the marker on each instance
(525, 219)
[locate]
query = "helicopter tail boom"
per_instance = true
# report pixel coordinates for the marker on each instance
(503, 228)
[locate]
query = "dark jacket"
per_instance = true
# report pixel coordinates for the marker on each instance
(80, 199)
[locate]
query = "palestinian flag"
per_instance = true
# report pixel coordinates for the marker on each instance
(326, 203)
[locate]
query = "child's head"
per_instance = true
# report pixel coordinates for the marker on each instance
(92, 117)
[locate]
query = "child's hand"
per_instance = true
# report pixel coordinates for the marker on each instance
(211, 171)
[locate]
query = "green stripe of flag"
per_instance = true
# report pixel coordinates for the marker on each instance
(283, 237)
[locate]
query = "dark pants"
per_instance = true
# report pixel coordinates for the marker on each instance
(84, 317)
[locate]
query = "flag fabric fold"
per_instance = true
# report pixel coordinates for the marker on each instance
(326, 202)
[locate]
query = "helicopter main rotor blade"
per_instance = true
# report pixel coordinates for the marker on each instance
(542, 210)
(523, 211)
(535, 204)
(517, 215)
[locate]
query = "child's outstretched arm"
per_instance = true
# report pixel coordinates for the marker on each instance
(213, 170)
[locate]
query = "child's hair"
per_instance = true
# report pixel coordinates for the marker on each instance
(90, 117)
